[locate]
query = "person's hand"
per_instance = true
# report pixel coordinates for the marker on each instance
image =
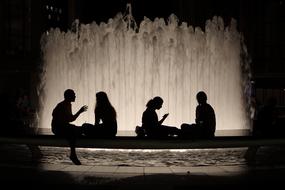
(83, 109)
(163, 118)
(165, 115)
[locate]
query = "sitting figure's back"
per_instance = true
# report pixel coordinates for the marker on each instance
(205, 122)
(205, 116)
(105, 112)
(105, 118)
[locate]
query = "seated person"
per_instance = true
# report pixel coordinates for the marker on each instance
(150, 123)
(105, 118)
(61, 126)
(205, 122)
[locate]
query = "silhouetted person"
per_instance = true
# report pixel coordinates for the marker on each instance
(205, 122)
(61, 126)
(150, 123)
(105, 118)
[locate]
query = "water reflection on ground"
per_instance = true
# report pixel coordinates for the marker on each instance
(164, 157)
(115, 157)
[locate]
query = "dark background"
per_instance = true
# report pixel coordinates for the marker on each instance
(262, 22)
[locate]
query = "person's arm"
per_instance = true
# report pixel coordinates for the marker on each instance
(97, 117)
(75, 116)
(198, 115)
(163, 118)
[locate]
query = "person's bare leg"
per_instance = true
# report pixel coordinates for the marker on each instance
(73, 156)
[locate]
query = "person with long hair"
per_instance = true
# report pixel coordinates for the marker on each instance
(150, 123)
(105, 118)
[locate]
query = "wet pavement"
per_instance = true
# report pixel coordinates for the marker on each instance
(124, 177)
(19, 169)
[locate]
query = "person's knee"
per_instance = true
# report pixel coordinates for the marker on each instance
(184, 126)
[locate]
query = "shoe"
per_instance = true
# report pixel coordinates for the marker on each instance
(75, 160)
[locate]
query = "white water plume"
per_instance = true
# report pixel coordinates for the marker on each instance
(132, 65)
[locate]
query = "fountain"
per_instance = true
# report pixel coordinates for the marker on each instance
(133, 64)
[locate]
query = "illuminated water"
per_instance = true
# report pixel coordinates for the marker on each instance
(133, 65)
(117, 157)
(20, 154)
(114, 157)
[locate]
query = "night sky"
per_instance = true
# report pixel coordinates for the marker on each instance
(196, 13)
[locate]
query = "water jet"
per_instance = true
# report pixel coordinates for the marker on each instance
(134, 63)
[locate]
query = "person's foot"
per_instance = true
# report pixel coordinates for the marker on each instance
(75, 160)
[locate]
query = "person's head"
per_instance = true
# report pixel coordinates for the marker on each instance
(103, 103)
(201, 97)
(69, 95)
(155, 103)
(102, 100)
